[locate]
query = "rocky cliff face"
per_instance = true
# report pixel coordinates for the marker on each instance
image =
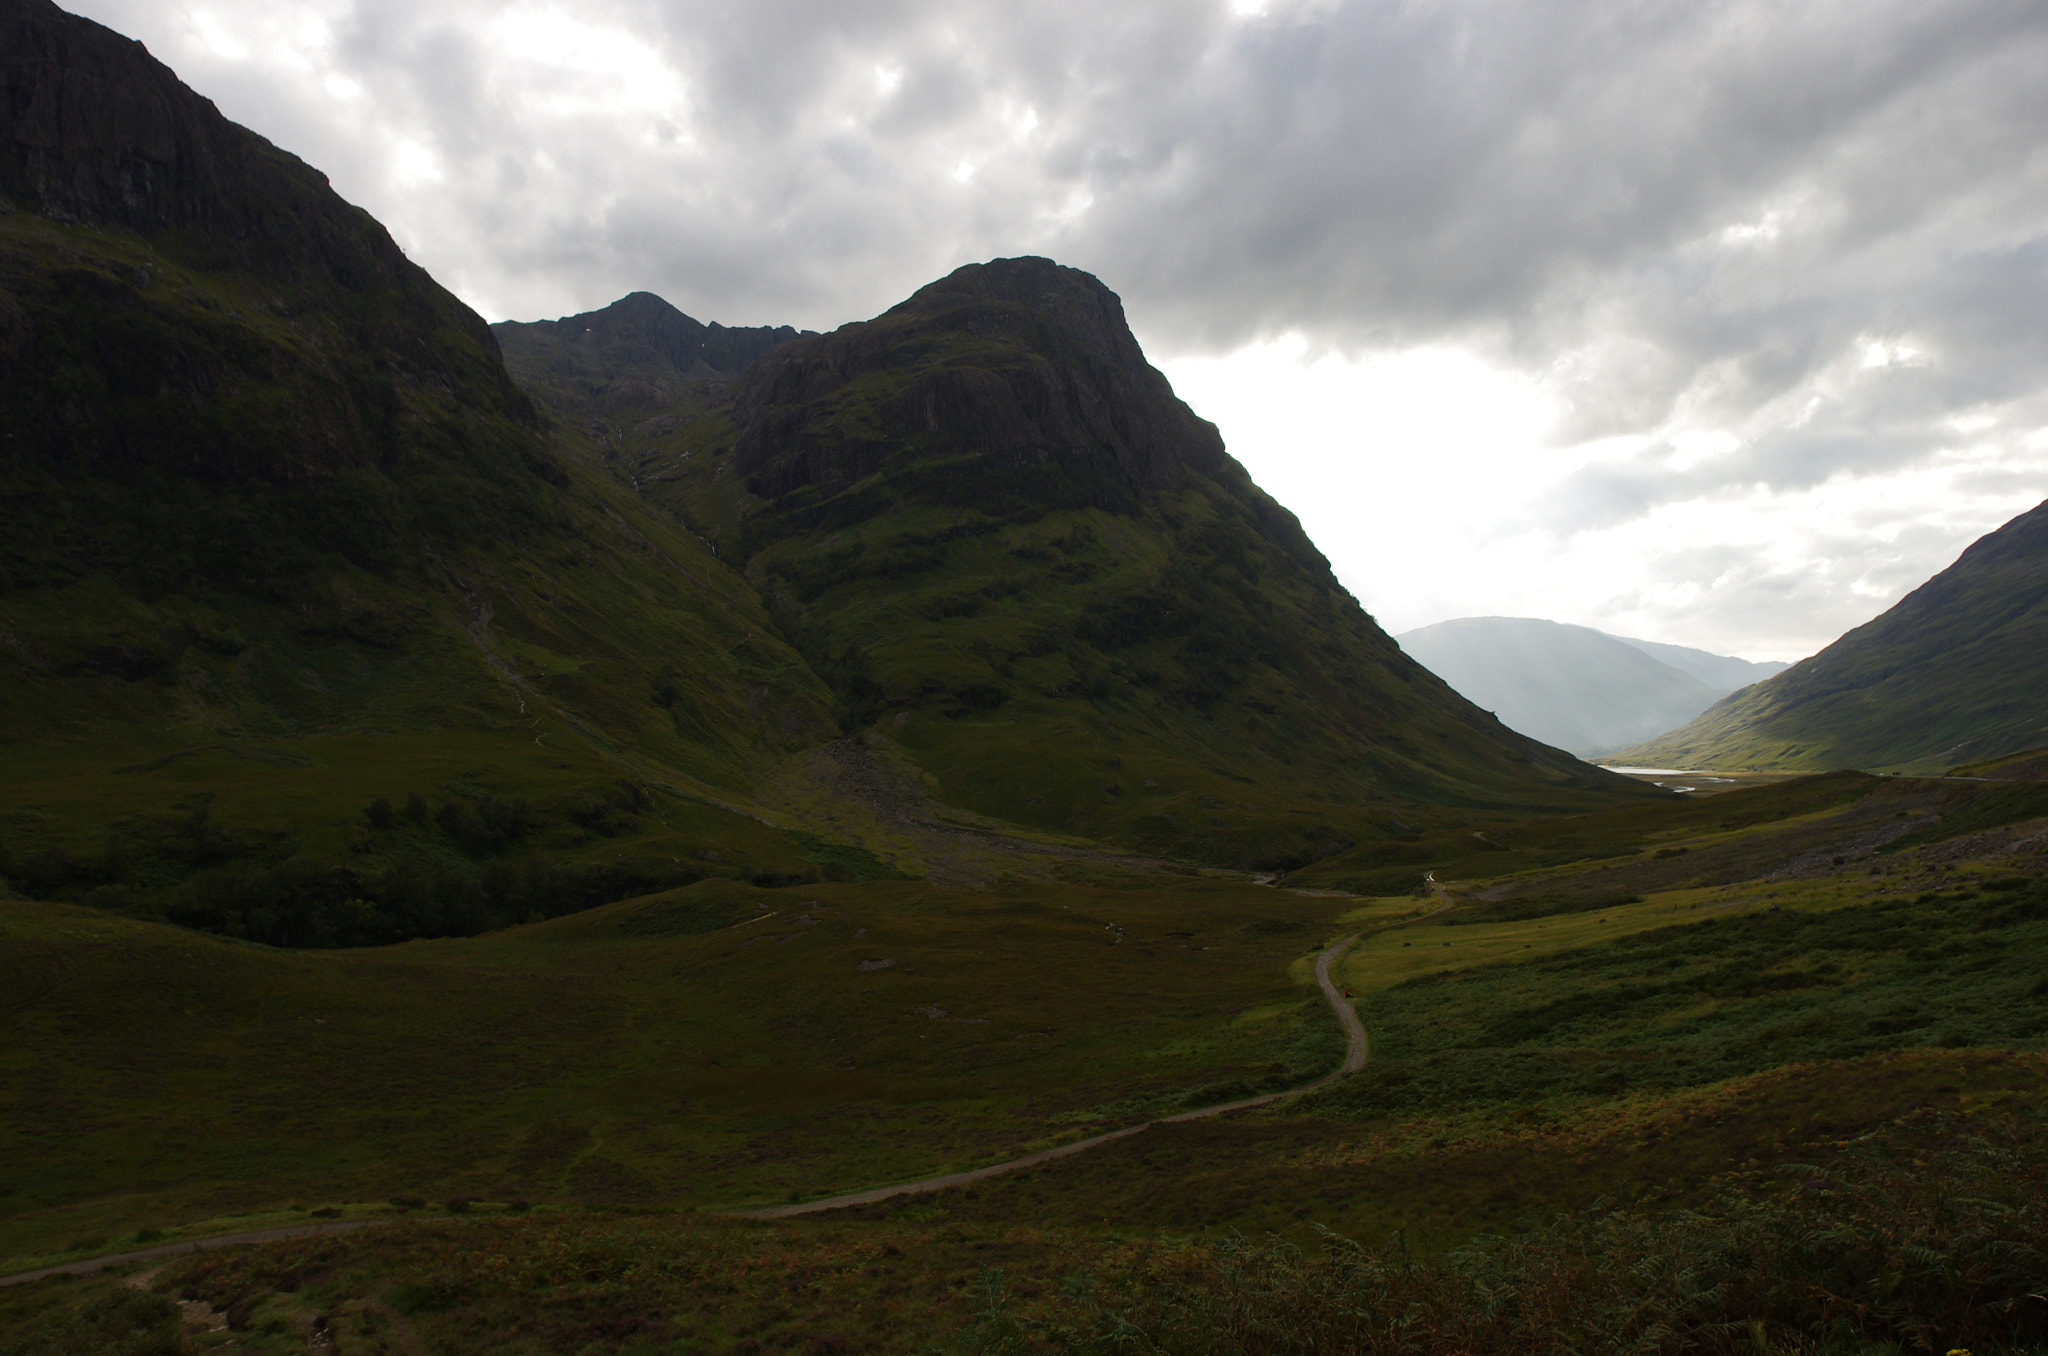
(635, 356)
(176, 292)
(1019, 363)
(1016, 555)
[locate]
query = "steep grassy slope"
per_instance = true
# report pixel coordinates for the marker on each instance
(1570, 686)
(1952, 673)
(283, 538)
(1036, 576)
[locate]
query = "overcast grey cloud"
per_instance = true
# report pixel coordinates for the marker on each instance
(1778, 271)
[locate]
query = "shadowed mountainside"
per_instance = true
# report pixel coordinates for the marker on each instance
(317, 632)
(313, 632)
(627, 361)
(333, 353)
(992, 528)
(283, 538)
(1952, 673)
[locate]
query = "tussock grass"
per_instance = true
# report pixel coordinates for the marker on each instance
(1927, 1236)
(1893, 1247)
(717, 1045)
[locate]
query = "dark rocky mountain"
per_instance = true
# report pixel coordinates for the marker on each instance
(1571, 686)
(314, 629)
(1018, 368)
(629, 358)
(283, 538)
(990, 525)
(1955, 672)
(334, 351)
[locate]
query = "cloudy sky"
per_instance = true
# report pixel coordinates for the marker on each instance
(1721, 322)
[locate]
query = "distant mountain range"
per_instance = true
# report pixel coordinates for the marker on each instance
(1955, 672)
(1575, 687)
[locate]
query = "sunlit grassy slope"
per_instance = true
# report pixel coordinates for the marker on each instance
(1950, 674)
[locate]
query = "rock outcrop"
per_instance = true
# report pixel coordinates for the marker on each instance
(1017, 363)
(633, 356)
(181, 294)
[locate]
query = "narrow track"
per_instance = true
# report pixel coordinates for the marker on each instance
(89, 1265)
(1357, 1049)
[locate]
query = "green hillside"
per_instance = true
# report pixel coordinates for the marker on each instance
(1036, 578)
(284, 541)
(317, 631)
(538, 823)
(1951, 674)
(1799, 983)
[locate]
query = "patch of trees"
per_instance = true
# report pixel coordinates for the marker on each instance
(301, 902)
(424, 870)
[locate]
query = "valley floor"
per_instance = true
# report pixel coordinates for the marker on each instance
(1701, 1038)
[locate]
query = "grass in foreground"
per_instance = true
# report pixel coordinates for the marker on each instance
(1903, 1245)
(721, 1045)
(1672, 1053)
(1926, 1237)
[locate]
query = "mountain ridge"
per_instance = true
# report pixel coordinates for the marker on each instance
(1722, 672)
(1572, 686)
(983, 512)
(627, 358)
(1948, 674)
(320, 631)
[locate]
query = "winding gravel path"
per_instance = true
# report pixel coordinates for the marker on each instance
(1357, 1049)
(93, 1264)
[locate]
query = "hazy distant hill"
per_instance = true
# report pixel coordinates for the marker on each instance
(1573, 686)
(1722, 672)
(1956, 671)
